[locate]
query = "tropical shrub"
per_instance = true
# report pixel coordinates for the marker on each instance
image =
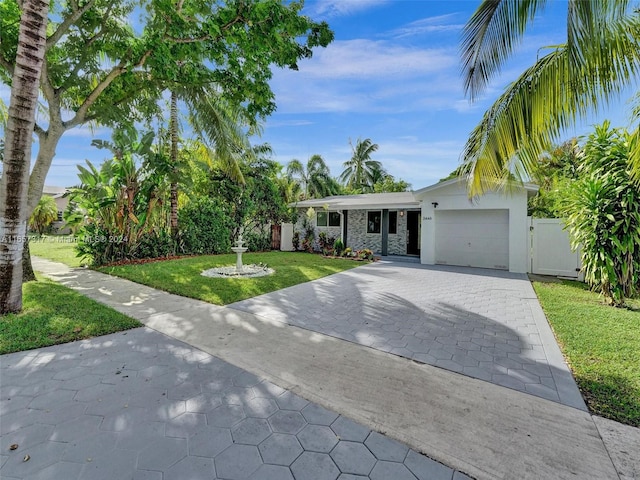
(364, 254)
(204, 228)
(338, 247)
(603, 214)
(119, 204)
(295, 240)
(45, 213)
(326, 243)
(258, 241)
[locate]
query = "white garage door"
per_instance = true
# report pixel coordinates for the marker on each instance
(473, 238)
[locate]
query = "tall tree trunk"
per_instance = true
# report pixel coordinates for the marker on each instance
(27, 270)
(173, 128)
(17, 161)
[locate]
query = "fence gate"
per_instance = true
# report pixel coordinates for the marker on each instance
(275, 237)
(551, 251)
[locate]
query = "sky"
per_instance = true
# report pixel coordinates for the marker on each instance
(392, 74)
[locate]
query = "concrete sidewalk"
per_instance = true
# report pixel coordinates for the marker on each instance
(487, 431)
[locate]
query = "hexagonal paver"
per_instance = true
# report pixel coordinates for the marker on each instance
(193, 468)
(42, 455)
(280, 449)
(425, 468)
(246, 379)
(317, 438)
(318, 415)
(385, 448)
(287, 421)
(88, 448)
(29, 436)
(163, 453)
(352, 457)
(291, 401)
(209, 441)
(272, 472)
(251, 431)
(347, 429)
(391, 470)
(185, 424)
(237, 462)
(260, 407)
(225, 415)
(203, 403)
(314, 466)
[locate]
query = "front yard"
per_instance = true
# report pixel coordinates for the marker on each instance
(601, 345)
(55, 314)
(183, 276)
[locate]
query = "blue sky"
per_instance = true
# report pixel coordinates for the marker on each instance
(392, 74)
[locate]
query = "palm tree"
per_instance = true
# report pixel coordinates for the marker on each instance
(361, 171)
(45, 213)
(217, 125)
(315, 180)
(599, 58)
(17, 154)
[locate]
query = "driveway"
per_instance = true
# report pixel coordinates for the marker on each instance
(486, 324)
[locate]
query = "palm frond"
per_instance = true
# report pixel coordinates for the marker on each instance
(489, 38)
(221, 128)
(547, 98)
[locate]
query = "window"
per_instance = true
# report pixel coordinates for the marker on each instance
(334, 219)
(330, 219)
(373, 222)
(393, 222)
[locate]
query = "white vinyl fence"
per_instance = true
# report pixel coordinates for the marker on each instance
(551, 252)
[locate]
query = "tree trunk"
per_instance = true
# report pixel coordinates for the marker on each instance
(17, 161)
(27, 270)
(173, 128)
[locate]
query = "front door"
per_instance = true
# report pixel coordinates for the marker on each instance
(413, 232)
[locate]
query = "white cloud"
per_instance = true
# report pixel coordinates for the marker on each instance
(440, 23)
(370, 76)
(339, 8)
(363, 58)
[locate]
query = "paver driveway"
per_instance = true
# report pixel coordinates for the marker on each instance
(483, 323)
(140, 405)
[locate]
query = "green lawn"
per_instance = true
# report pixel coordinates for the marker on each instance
(54, 314)
(601, 345)
(59, 248)
(182, 276)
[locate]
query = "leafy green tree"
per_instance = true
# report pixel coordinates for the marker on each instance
(554, 173)
(314, 179)
(388, 184)
(45, 213)
(360, 171)
(598, 60)
(98, 68)
(603, 214)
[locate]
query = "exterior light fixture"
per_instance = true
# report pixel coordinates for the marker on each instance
(402, 213)
(435, 204)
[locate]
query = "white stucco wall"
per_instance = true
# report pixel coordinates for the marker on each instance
(454, 197)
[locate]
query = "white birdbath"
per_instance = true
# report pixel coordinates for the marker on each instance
(239, 250)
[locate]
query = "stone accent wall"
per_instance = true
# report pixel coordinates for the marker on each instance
(357, 235)
(398, 242)
(335, 232)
